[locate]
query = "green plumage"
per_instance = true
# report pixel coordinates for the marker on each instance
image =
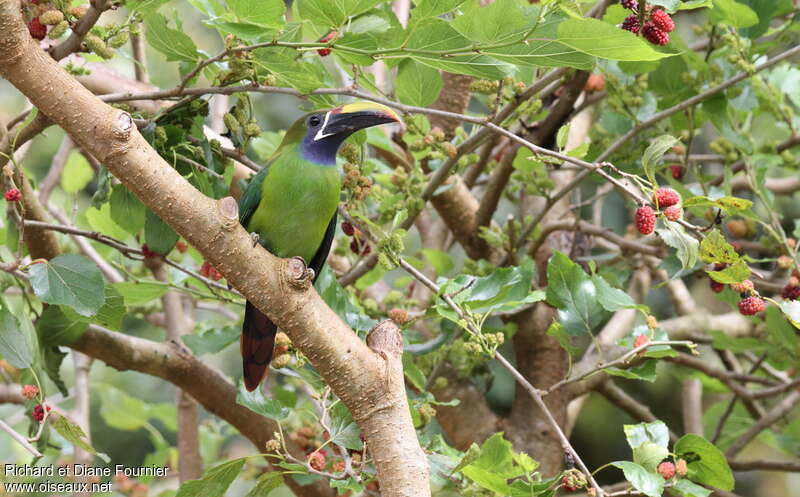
(291, 205)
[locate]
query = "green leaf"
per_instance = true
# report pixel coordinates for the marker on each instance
(436, 35)
(265, 13)
(649, 455)
(215, 482)
(653, 154)
(144, 6)
(121, 411)
(100, 220)
(212, 339)
(688, 489)
(333, 13)
(433, 8)
(16, 343)
(343, 430)
(159, 236)
(56, 328)
(174, 43)
(735, 273)
(706, 463)
(441, 261)
(695, 4)
(140, 292)
(715, 249)
(571, 290)
(71, 280)
(497, 456)
(73, 433)
(685, 245)
(733, 13)
(77, 173)
(256, 402)
(412, 372)
(650, 484)
(417, 84)
(497, 22)
(781, 332)
(791, 309)
(604, 40)
(265, 484)
(730, 205)
(613, 299)
(645, 371)
(52, 358)
(127, 211)
(655, 432)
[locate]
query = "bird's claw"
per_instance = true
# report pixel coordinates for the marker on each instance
(310, 273)
(254, 236)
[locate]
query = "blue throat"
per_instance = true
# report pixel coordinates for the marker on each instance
(322, 152)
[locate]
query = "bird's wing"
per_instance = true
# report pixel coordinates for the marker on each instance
(324, 248)
(252, 196)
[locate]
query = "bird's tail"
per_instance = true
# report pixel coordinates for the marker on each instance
(257, 342)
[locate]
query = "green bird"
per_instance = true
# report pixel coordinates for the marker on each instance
(290, 206)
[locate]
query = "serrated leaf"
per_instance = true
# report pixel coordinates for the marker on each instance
(73, 433)
(158, 235)
(706, 463)
(791, 309)
(650, 484)
(417, 84)
(688, 489)
(433, 8)
(571, 290)
(735, 273)
(733, 13)
(56, 328)
(613, 299)
(685, 245)
(604, 40)
(212, 340)
(653, 154)
(121, 411)
(265, 484)
(256, 402)
(333, 13)
(77, 173)
(645, 371)
(140, 292)
(343, 430)
(215, 482)
(649, 455)
(52, 358)
(127, 211)
(715, 249)
(174, 43)
(71, 280)
(16, 344)
(655, 432)
(412, 372)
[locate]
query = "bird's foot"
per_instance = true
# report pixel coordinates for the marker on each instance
(310, 273)
(254, 236)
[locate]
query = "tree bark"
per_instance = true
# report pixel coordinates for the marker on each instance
(281, 288)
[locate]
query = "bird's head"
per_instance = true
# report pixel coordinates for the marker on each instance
(325, 131)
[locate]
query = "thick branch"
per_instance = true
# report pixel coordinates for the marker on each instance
(280, 288)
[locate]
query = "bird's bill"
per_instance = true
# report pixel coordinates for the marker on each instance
(350, 118)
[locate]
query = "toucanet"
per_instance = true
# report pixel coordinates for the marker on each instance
(290, 208)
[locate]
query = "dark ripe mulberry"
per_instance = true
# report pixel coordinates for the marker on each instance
(645, 219)
(324, 52)
(37, 29)
(348, 229)
(662, 20)
(790, 292)
(359, 246)
(716, 286)
(654, 34)
(38, 412)
(677, 171)
(631, 23)
(12, 195)
(629, 4)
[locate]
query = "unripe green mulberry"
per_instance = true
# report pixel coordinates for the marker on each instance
(350, 152)
(281, 361)
(51, 17)
(58, 30)
(483, 86)
(251, 129)
(77, 12)
(231, 123)
(119, 40)
(98, 46)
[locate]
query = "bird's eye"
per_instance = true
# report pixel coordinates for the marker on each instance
(314, 121)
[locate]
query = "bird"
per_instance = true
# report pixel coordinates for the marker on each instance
(290, 208)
